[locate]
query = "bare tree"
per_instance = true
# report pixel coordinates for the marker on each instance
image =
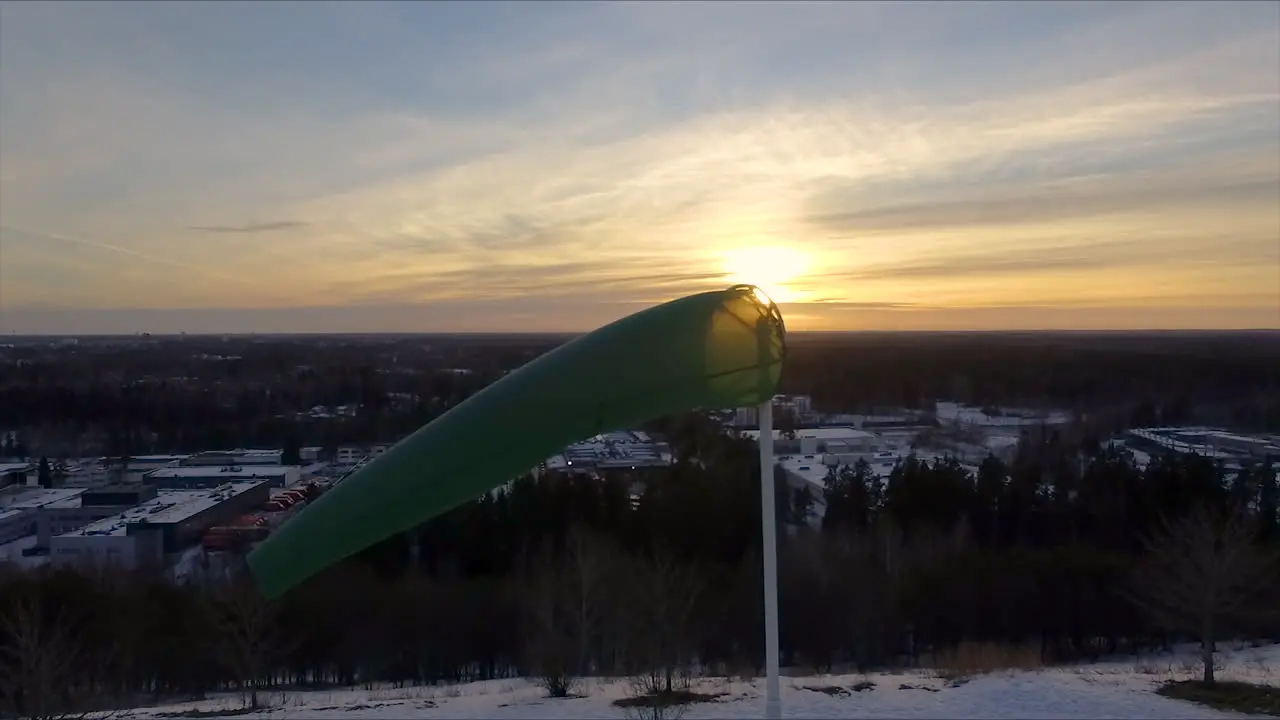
(590, 558)
(565, 601)
(249, 635)
(663, 596)
(549, 646)
(42, 655)
(1205, 571)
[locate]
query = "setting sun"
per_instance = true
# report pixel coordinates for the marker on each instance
(774, 270)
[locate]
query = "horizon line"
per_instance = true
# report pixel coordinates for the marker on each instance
(555, 333)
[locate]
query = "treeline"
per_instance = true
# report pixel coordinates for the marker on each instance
(167, 415)
(564, 576)
(200, 394)
(1134, 379)
(171, 395)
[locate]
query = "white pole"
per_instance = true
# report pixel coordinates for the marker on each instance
(769, 536)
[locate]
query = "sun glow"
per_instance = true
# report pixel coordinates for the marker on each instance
(773, 269)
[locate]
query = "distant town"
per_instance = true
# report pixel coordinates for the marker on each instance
(947, 505)
(185, 511)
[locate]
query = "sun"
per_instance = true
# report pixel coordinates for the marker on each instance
(773, 269)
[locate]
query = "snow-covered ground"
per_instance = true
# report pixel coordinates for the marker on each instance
(1122, 688)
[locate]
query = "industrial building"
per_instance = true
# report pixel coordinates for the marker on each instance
(233, 457)
(611, 451)
(49, 512)
(799, 407)
(349, 456)
(207, 476)
(17, 473)
(87, 507)
(20, 506)
(1233, 448)
(238, 533)
(169, 523)
(809, 441)
(132, 470)
(955, 414)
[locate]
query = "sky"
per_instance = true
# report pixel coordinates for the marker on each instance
(490, 166)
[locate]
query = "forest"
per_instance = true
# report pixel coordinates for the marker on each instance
(183, 395)
(1064, 555)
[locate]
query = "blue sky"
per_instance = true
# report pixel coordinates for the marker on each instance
(488, 166)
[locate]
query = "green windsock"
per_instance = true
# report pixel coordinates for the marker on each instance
(712, 350)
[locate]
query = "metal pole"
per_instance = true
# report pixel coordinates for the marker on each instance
(769, 535)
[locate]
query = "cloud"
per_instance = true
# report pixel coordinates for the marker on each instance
(251, 228)
(620, 152)
(590, 281)
(835, 304)
(1049, 205)
(1202, 251)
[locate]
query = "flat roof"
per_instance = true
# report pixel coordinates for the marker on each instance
(143, 459)
(822, 433)
(238, 452)
(220, 471)
(168, 507)
(30, 498)
(808, 468)
(6, 515)
(15, 467)
(811, 467)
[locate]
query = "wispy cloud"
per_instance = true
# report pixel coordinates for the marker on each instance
(621, 153)
(249, 229)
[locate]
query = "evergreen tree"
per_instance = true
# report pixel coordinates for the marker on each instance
(989, 487)
(291, 452)
(44, 474)
(1268, 481)
(801, 506)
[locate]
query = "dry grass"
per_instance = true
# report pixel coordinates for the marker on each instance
(968, 660)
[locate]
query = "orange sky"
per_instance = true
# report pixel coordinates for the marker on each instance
(361, 168)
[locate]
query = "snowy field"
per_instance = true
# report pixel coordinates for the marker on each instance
(1123, 688)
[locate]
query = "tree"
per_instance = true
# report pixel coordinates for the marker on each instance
(785, 422)
(59, 473)
(663, 595)
(1204, 572)
(565, 600)
(1268, 481)
(849, 493)
(42, 656)
(291, 452)
(248, 629)
(800, 506)
(44, 474)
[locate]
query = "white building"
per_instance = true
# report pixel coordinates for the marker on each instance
(957, 415)
(840, 440)
(106, 470)
(23, 473)
(233, 457)
(611, 451)
(20, 507)
(800, 407)
(163, 526)
(176, 478)
(348, 455)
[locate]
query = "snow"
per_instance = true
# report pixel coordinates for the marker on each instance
(1120, 688)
